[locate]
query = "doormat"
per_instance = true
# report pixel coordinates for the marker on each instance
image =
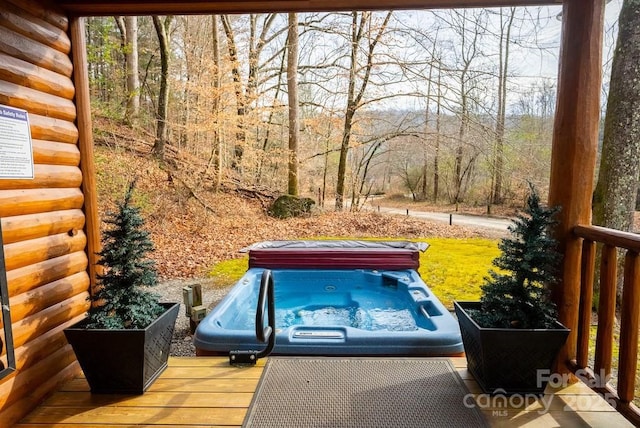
(300, 392)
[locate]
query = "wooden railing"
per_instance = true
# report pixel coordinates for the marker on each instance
(629, 305)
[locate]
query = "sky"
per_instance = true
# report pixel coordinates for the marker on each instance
(534, 50)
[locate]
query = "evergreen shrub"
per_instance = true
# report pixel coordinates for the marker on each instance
(120, 300)
(519, 295)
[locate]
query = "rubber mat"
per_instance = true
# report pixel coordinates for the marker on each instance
(300, 392)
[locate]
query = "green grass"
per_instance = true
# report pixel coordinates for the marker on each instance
(228, 272)
(454, 269)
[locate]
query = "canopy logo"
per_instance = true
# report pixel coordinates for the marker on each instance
(499, 403)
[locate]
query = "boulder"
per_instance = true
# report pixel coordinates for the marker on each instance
(290, 206)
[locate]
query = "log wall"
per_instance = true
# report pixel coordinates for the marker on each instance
(43, 220)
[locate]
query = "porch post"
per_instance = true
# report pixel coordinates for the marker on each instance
(85, 143)
(575, 141)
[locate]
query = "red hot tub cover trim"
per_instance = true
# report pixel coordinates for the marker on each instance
(388, 255)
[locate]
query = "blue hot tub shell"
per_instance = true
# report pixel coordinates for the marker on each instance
(310, 304)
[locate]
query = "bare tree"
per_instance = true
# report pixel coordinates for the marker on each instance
(260, 35)
(106, 68)
(128, 27)
(503, 67)
(226, 101)
(530, 132)
(292, 90)
(215, 155)
(436, 154)
(267, 137)
(191, 38)
(162, 31)
(361, 184)
(361, 31)
(411, 176)
(468, 27)
(215, 106)
(427, 120)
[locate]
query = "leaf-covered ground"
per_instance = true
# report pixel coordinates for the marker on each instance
(193, 233)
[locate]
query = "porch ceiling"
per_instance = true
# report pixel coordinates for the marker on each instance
(160, 7)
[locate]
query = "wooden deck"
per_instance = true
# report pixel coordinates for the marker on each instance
(206, 391)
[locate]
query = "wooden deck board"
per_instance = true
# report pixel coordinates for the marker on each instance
(182, 385)
(114, 415)
(206, 391)
(151, 399)
(574, 405)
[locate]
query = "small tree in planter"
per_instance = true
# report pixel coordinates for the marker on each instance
(120, 301)
(123, 345)
(512, 333)
(518, 296)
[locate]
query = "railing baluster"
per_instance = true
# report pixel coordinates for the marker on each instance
(587, 273)
(606, 313)
(630, 316)
(629, 327)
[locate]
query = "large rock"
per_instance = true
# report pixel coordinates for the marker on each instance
(290, 206)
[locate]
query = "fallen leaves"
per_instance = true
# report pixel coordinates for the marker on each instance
(189, 246)
(190, 238)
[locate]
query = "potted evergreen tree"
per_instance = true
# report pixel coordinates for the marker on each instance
(123, 345)
(512, 337)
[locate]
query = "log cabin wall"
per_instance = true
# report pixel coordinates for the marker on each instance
(43, 220)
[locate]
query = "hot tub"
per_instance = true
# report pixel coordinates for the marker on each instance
(322, 311)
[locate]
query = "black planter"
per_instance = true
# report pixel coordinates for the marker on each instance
(509, 361)
(124, 361)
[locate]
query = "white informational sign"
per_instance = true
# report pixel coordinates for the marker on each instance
(16, 153)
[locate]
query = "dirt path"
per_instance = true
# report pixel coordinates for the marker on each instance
(475, 221)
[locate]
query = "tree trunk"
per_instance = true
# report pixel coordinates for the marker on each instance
(353, 98)
(614, 198)
(245, 94)
(272, 114)
(133, 78)
(425, 151)
(217, 141)
(617, 187)
(215, 154)
(128, 27)
(458, 177)
(238, 150)
(469, 52)
(292, 87)
(436, 156)
(505, 36)
(344, 150)
(182, 138)
(356, 34)
(325, 170)
(163, 96)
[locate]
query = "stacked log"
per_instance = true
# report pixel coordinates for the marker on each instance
(43, 219)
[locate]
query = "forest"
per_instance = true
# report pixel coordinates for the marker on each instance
(452, 107)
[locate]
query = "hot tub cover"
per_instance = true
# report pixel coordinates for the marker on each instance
(336, 254)
(408, 245)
